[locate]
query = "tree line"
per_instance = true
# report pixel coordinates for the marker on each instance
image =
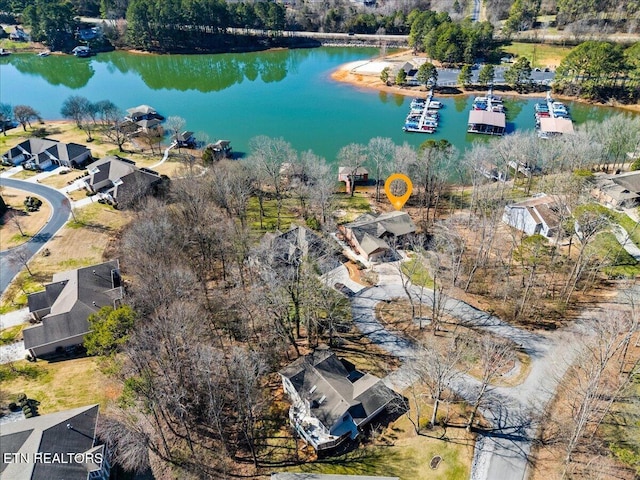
(448, 41)
(600, 71)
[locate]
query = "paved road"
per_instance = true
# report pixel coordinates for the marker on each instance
(11, 261)
(503, 452)
(449, 76)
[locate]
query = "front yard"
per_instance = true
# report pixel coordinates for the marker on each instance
(59, 385)
(17, 226)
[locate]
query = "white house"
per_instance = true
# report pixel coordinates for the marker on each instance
(331, 400)
(536, 215)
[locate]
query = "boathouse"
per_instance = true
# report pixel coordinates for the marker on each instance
(551, 126)
(490, 123)
(350, 176)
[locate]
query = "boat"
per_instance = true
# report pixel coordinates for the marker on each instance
(4, 53)
(552, 118)
(423, 116)
(487, 115)
(44, 53)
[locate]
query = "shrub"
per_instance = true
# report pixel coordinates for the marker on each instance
(313, 223)
(636, 164)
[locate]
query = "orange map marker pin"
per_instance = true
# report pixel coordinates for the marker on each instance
(398, 202)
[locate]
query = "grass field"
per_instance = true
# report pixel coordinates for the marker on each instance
(59, 385)
(540, 55)
(620, 263)
(11, 334)
(29, 222)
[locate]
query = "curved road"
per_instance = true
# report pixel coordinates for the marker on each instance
(514, 412)
(12, 261)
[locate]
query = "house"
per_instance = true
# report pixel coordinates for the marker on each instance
(222, 149)
(185, 140)
(19, 35)
(351, 176)
(618, 191)
(54, 446)
(331, 401)
(142, 112)
(81, 51)
(87, 34)
(148, 125)
(42, 153)
(322, 476)
(298, 244)
(541, 214)
(370, 235)
(64, 306)
(118, 180)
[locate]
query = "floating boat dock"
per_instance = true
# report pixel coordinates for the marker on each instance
(423, 116)
(487, 116)
(552, 118)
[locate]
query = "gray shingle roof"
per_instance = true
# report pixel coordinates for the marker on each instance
(290, 247)
(341, 390)
(44, 147)
(370, 230)
(66, 432)
(105, 173)
(72, 297)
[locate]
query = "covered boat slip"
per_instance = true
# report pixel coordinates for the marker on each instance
(490, 123)
(555, 125)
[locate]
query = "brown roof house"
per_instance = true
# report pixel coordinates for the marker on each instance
(42, 153)
(66, 303)
(118, 180)
(61, 445)
(540, 214)
(374, 237)
(331, 400)
(619, 191)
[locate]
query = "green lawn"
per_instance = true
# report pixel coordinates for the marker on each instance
(399, 452)
(540, 55)
(620, 263)
(417, 272)
(631, 226)
(10, 335)
(58, 385)
(270, 219)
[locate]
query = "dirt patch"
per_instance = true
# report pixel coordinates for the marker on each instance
(18, 226)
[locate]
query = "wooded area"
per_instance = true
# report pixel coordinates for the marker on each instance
(217, 311)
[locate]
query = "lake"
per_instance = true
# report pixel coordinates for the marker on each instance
(284, 93)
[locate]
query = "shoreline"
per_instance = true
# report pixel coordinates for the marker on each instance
(344, 74)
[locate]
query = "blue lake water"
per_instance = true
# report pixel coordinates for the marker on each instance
(285, 93)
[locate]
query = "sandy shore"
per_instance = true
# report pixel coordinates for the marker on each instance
(346, 73)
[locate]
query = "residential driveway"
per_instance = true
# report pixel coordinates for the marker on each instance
(623, 237)
(14, 318)
(503, 452)
(12, 260)
(12, 352)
